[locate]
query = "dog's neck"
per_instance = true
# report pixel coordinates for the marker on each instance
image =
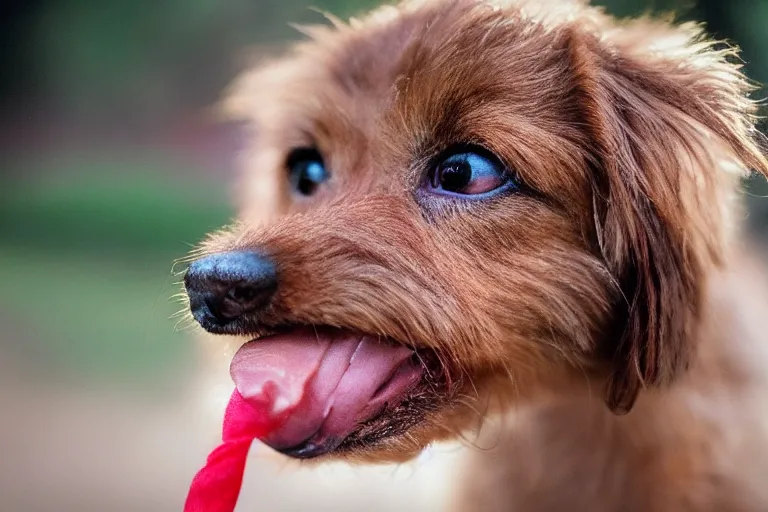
(698, 440)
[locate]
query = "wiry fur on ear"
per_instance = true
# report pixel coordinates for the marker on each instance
(668, 115)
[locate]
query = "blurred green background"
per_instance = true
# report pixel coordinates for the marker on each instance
(111, 166)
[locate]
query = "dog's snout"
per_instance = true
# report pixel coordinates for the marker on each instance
(224, 287)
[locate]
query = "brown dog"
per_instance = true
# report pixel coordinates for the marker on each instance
(462, 208)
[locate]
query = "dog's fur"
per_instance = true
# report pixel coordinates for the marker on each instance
(605, 302)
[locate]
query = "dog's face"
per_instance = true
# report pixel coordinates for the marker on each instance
(475, 204)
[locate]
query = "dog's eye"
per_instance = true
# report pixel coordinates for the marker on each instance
(306, 170)
(469, 172)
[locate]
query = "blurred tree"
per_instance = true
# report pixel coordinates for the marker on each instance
(16, 17)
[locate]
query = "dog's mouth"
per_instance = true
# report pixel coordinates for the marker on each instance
(319, 390)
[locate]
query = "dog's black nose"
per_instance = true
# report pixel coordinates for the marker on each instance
(224, 287)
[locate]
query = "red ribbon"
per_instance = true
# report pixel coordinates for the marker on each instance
(216, 487)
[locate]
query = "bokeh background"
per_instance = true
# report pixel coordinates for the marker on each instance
(111, 166)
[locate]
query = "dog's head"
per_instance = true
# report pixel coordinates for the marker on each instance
(451, 205)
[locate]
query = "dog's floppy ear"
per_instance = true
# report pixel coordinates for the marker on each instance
(667, 114)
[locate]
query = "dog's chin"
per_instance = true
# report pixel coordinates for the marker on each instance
(326, 392)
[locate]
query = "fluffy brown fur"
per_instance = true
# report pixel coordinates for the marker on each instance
(604, 302)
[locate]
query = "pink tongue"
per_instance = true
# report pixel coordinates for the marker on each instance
(320, 384)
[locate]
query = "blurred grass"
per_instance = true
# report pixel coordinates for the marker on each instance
(109, 204)
(86, 264)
